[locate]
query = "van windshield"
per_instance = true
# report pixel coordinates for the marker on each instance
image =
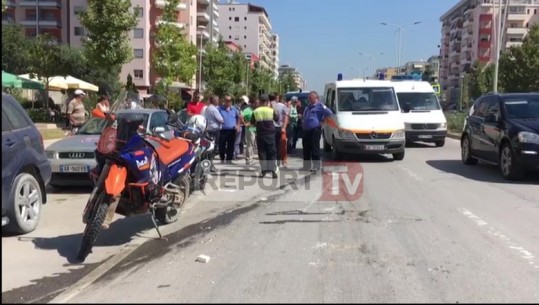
(418, 101)
(367, 99)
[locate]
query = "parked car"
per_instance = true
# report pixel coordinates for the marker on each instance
(25, 169)
(503, 129)
(73, 157)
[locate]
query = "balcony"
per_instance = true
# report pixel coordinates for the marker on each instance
(516, 17)
(177, 24)
(8, 20)
(215, 24)
(203, 17)
(40, 3)
(44, 23)
(263, 20)
(10, 3)
(513, 44)
(204, 34)
(203, 2)
(517, 31)
(179, 7)
(215, 12)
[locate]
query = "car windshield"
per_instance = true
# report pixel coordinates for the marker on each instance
(93, 127)
(418, 101)
(522, 108)
(367, 99)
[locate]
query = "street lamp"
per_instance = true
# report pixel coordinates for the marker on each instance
(372, 59)
(201, 28)
(400, 29)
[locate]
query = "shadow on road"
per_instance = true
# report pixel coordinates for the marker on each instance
(481, 172)
(69, 190)
(280, 222)
(120, 232)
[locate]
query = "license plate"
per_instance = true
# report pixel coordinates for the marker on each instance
(425, 136)
(374, 147)
(74, 168)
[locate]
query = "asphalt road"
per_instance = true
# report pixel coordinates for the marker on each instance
(425, 229)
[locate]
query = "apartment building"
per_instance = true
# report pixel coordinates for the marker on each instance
(469, 35)
(386, 73)
(249, 27)
(206, 13)
(44, 16)
(298, 79)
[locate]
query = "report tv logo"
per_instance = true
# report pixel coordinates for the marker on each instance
(342, 181)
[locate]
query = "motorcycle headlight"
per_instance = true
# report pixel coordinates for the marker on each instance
(345, 134)
(50, 154)
(528, 137)
(398, 134)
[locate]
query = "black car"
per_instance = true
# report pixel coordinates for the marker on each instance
(25, 169)
(503, 129)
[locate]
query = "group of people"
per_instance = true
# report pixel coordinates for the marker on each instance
(268, 124)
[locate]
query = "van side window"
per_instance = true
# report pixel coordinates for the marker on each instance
(332, 100)
(328, 97)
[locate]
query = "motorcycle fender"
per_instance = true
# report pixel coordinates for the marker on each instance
(115, 182)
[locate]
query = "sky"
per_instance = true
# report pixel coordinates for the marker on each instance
(324, 38)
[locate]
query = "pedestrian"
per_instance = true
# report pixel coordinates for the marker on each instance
(76, 111)
(313, 116)
(280, 128)
(215, 121)
(238, 142)
(292, 124)
(103, 104)
(196, 105)
(250, 131)
(231, 126)
(264, 117)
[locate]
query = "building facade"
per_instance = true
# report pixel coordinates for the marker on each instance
(469, 35)
(249, 27)
(298, 79)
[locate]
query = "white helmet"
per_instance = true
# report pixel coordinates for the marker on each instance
(197, 121)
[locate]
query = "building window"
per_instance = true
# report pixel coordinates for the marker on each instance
(138, 12)
(229, 36)
(138, 33)
(244, 46)
(230, 28)
(79, 31)
(236, 37)
(229, 9)
(245, 18)
(245, 28)
(245, 37)
(237, 19)
(229, 18)
(138, 53)
(78, 9)
(138, 74)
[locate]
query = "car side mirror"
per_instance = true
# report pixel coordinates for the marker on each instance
(491, 118)
(159, 129)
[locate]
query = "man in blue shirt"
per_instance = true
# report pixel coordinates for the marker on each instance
(313, 117)
(231, 125)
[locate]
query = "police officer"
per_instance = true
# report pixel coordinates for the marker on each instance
(313, 116)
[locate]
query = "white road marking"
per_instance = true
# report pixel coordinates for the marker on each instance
(226, 190)
(523, 253)
(411, 173)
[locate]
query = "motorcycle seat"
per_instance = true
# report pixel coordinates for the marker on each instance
(172, 150)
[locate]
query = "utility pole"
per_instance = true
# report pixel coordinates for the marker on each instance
(498, 46)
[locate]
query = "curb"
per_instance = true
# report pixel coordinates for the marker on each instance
(455, 136)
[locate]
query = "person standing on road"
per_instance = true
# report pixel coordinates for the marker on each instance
(76, 111)
(215, 121)
(231, 126)
(196, 105)
(292, 124)
(264, 118)
(313, 116)
(250, 131)
(280, 128)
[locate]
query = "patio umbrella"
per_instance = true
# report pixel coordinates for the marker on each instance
(75, 83)
(54, 84)
(12, 80)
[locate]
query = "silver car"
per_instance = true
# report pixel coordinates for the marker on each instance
(73, 157)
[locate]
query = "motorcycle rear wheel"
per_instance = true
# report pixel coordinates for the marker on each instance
(171, 213)
(93, 228)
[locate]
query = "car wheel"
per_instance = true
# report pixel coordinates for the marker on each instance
(398, 156)
(440, 143)
(509, 167)
(335, 153)
(25, 210)
(327, 147)
(466, 152)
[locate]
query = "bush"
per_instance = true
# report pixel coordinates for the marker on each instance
(455, 121)
(38, 115)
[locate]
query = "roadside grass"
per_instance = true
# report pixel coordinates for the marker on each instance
(53, 133)
(455, 121)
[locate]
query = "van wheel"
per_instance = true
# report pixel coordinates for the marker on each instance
(398, 156)
(327, 147)
(440, 143)
(335, 153)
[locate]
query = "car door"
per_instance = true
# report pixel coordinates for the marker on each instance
(8, 153)
(490, 128)
(474, 122)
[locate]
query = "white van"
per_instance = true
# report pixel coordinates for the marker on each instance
(423, 116)
(366, 119)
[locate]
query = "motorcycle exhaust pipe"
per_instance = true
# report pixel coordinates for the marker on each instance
(110, 213)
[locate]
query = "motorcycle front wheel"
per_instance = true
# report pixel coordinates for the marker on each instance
(93, 228)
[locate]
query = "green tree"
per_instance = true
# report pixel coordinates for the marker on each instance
(519, 66)
(480, 80)
(225, 71)
(108, 24)
(175, 57)
(4, 5)
(287, 83)
(262, 81)
(129, 85)
(15, 49)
